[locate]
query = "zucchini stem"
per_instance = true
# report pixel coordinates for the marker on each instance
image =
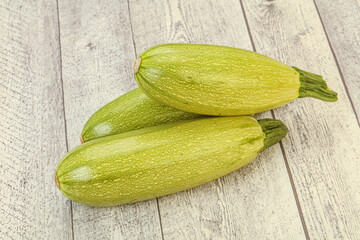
(274, 129)
(313, 85)
(137, 64)
(57, 181)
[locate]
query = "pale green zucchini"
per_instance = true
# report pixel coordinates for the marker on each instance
(218, 80)
(156, 161)
(133, 110)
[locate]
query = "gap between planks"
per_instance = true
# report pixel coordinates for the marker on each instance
(337, 64)
(301, 215)
(134, 44)
(63, 103)
(273, 114)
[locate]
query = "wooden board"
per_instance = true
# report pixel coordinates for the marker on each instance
(55, 74)
(32, 136)
(252, 203)
(341, 22)
(323, 145)
(97, 58)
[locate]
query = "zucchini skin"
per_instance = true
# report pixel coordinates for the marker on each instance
(131, 111)
(218, 80)
(156, 161)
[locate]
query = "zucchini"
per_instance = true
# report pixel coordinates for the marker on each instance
(131, 111)
(156, 161)
(218, 80)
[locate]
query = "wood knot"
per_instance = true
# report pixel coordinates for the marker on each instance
(91, 46)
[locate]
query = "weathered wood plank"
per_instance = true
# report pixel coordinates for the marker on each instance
(255, 202)
(323, 144)
(32, 132)
(97, 58)
(341, 22)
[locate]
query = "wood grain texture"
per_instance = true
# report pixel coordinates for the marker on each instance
(323, 144)
(341, 22)
(97, 57)
(32, 136)
(255, 202)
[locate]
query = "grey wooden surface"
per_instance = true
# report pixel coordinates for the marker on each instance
(62, 60)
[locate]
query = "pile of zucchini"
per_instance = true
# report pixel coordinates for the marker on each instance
(167, 135)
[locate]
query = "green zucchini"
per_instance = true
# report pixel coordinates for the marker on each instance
(133, 110)
(218, 80)
(156, 161)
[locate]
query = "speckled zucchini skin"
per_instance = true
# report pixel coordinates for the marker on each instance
(218, 80)
(131, 111)
(161, 160)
